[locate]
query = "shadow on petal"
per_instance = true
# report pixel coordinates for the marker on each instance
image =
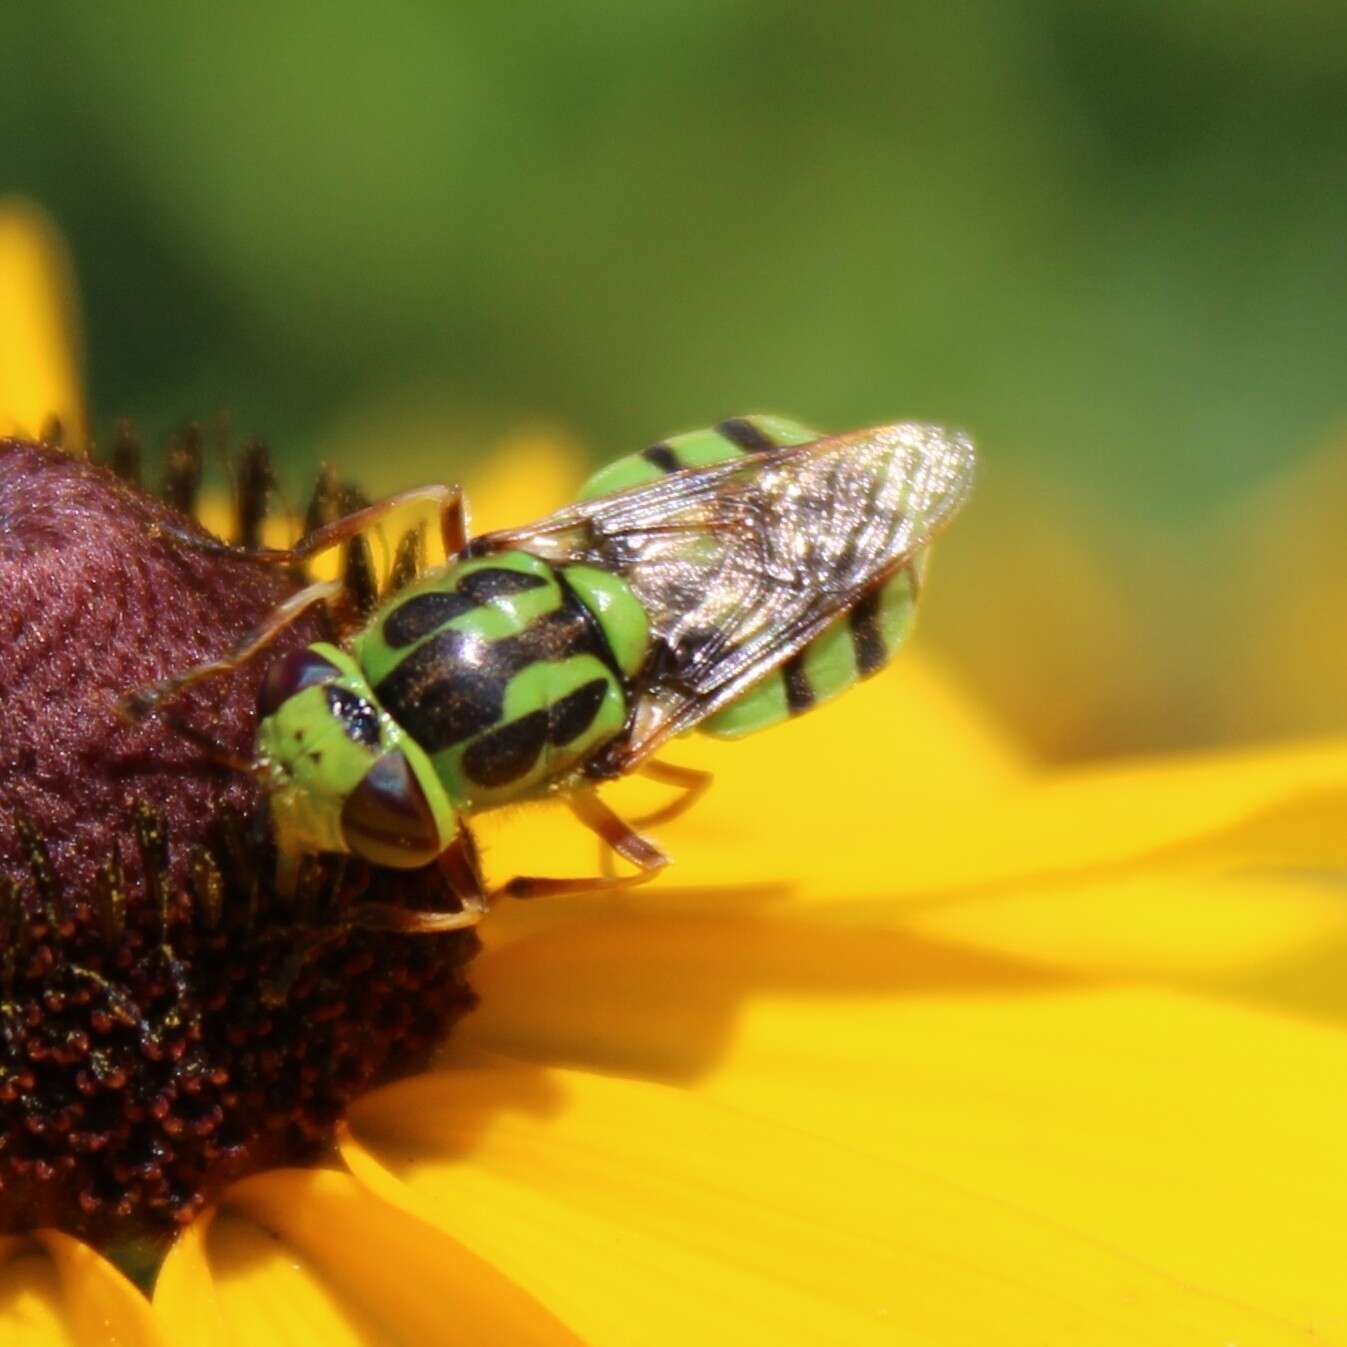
(658, 993)
(295, 1257)
(56, 1291)
(643, 1213)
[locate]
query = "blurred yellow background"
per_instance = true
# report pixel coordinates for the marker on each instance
(1105, 239)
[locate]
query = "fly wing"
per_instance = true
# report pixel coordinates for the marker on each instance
(740, 565)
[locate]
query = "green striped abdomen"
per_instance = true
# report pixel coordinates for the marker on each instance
(857, 644)
(854, 646)
(507, 671)
(697, 449)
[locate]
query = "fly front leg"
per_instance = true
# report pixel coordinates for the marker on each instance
(450, 508)
(461, 869)
(616, 834)
(135, 706)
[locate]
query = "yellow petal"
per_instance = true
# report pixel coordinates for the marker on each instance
(39, 362)
(661, 993)
(1286, 590)
(525, 476)
(1048, 642)
(640, 1212)
(1201, 1140)
(1050, 863)
(296, 1257)
(1172, 929)
(660, 990)
(881, 787)
(1247, 807)
(1254, 884)
(57, 1292)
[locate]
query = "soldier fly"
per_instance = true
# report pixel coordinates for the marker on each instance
(722, 581)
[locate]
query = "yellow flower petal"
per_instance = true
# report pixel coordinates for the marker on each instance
(296, 1257)
(57, 1292)
(1251, 885)
(644, 1213)
(660, 990)
(1058, 866)
(877, 789)
(661, 993)
(525, 476)
(1118, 1112)
(1202, 1140)
(1048, 643)
(654, 981)
(1285, 594)
(1245, 807)
(39, 364)
(1174, 930)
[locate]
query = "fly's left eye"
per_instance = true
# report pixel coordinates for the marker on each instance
(358, 717)
(387, 818)
(290, 674)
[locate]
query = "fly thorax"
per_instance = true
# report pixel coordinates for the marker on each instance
(507, 671)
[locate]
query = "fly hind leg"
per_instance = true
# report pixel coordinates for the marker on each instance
(461, 869)
(616, 835)
(694, 782)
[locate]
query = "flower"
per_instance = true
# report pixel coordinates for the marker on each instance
(918, 1043)
(39, 380)
(168, 1019)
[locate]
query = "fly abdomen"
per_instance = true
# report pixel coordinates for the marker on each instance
(730, 439)
(853, 646)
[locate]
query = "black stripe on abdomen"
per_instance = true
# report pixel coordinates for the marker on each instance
(866, 638)
(799, 691)
(662, 456)
(745, 434)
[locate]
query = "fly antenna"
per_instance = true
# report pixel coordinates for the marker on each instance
(220, 754)
(139, 706)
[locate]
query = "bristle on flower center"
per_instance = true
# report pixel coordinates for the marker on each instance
(156, 1043)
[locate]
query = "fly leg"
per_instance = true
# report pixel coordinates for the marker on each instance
(461, 869)
(448, 499)
(453, 530)
(616, 834)
(135, 706)
(695, 784)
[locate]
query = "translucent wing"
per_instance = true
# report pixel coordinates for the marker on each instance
(739, 565)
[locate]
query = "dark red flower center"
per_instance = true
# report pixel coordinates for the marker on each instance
(168, 1022)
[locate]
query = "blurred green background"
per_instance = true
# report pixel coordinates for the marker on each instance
(1106, 239)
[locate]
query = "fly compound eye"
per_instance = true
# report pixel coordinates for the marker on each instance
(290, 674)
(387, 818)
(356, 715)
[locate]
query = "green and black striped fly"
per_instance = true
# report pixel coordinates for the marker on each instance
(719, 581)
